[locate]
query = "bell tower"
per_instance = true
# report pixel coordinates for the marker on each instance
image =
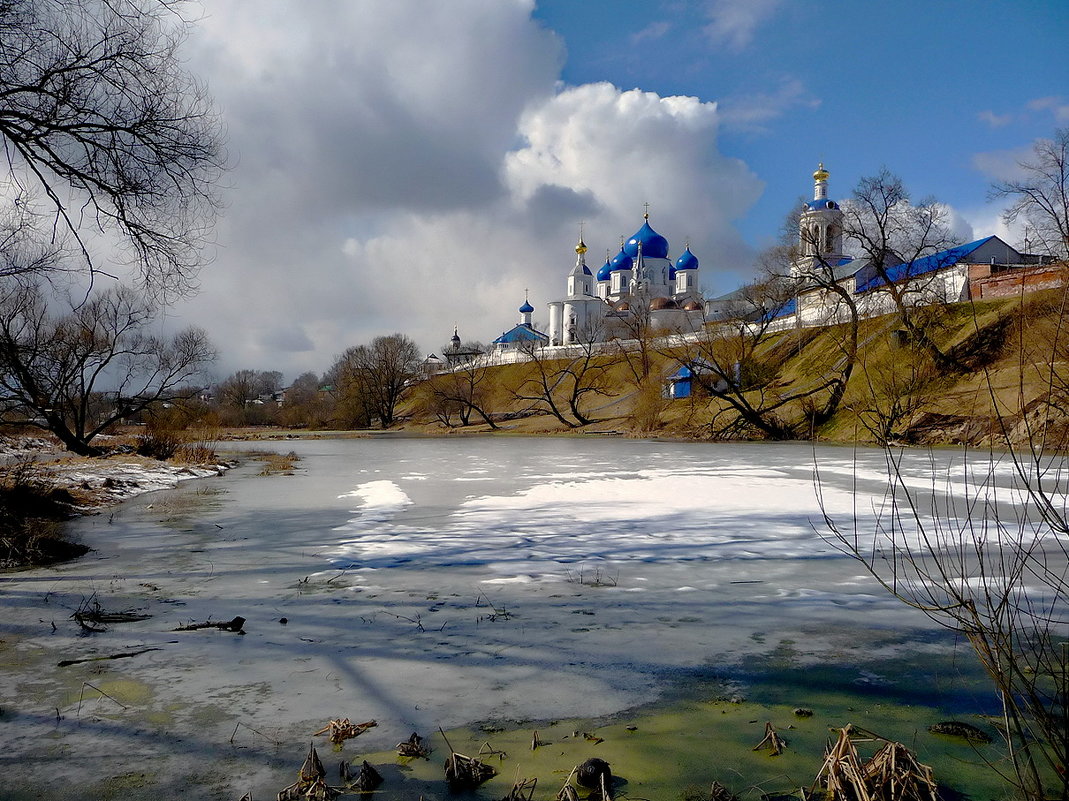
(820, 228)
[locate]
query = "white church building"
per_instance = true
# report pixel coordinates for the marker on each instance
(639, 290)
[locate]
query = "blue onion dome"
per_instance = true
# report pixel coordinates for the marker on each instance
(603, 273)
(526, 308)
(687, 260)
(622, 261)
(822, 204)
(654, 246)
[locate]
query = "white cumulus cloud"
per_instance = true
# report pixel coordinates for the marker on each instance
(408, 166)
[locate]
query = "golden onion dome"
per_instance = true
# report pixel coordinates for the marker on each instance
(821, 174)
(581, 247)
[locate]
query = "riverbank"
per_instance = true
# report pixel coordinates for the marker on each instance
(1000, 384)
(42, 486)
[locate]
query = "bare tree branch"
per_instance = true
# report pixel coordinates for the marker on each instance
(77, 374)
(99, 118)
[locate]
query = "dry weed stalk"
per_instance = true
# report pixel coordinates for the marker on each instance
(772, 741)
(342, 729)
(892, 774)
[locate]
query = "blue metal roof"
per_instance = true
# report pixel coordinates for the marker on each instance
(521, 333)
(687, 260)
(683, 372)
(654, 246)
(621, 261)
(788, 308)
(823, 203)
(926, 264)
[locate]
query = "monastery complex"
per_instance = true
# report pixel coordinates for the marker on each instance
(642, 290)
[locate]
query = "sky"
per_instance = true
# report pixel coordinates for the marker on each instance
(411, 165)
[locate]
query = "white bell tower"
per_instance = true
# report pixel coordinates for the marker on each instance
(820, 228)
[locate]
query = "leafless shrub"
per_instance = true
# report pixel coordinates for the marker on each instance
(988, 559)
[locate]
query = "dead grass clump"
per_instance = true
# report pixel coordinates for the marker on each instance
(31, 514)
(275, 463)
(159, 444)
(891, 774)
(196, 453)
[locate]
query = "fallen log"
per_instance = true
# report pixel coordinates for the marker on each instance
(237, 625)
(91, 616)
(123, 655)
(955, 728)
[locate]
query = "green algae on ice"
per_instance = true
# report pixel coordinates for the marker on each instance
(661, 752)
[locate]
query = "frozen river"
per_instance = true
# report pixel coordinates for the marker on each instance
(428, 583)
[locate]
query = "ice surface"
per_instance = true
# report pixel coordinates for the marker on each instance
(437, 582)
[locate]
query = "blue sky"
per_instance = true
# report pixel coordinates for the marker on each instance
(921, 87)
(411, 165)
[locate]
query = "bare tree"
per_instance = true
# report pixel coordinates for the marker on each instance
(984, 551)
(77, 374)
(824, 296)
(306, 402)
(896, 238)
(243, 387)
(635, 346)
(638, 348)
(564, 384)
(247, 397)
(28, 245)
(899, 385)
(1041, 196)
(463, 391)
(375, 376)
(737, 359)
(99, 118)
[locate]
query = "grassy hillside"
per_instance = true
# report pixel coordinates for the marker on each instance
(1012, 381)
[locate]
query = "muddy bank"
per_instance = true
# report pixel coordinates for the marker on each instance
(42, 487)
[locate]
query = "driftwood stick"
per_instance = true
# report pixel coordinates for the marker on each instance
(82, 692)
(269, 739)
(125, 655)
(447, 745)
